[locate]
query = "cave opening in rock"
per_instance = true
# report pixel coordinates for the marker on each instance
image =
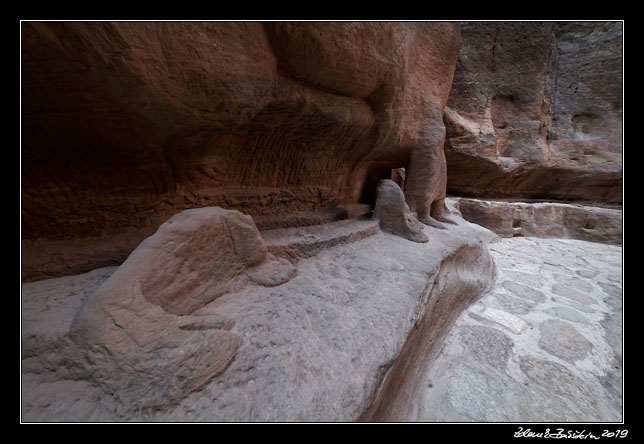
(375, 173)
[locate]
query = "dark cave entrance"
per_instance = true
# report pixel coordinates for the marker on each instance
(375, 173)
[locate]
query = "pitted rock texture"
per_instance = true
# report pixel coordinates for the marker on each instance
(535, 111)
(316, 348)
(511, 357)
(128, 123)
(543, 219)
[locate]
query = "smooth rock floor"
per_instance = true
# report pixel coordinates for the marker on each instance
(544, 345)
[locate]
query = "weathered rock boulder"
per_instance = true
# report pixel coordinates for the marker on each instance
(128, 123)
(393, 213)
(535, 111)
(136, 334)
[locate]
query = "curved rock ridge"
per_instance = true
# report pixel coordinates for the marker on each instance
(316, 347)
(535, 112)
(463, 277)
(126, 124)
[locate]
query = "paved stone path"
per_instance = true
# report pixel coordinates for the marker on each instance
(544, 345)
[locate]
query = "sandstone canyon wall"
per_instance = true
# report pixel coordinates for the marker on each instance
(215, 163)
(125, 124)
(535, 112)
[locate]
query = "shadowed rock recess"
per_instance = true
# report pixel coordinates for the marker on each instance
(126, 124)
(246, 221)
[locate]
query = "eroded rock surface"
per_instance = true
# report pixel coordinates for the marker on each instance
(128, 123)
(543, 219)
(315, 348)
(535, 111)
(393, 213)
(136, 337)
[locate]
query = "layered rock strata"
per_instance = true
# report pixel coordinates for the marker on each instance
(126, 124)
(535, 112)
(543, 219)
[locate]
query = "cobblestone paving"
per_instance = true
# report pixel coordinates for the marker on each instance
(544, 345)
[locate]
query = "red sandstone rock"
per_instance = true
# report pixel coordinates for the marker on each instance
(126, 124)
(536, 112)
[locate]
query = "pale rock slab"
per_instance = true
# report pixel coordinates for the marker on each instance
(512, 304)
(563, 340)
(476, 394)
(511, 322)
(487, 345)
(524, 291)
(566, 313)
(573, 294)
